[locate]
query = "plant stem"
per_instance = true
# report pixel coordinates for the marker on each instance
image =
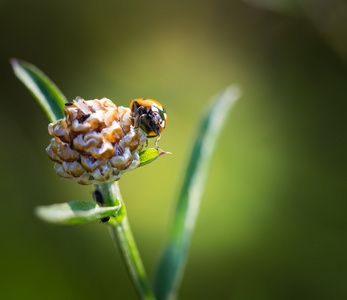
(122, 236)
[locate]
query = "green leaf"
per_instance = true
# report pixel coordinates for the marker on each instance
(74, 212)
(149, 155)
(171, 266)
(50, 98)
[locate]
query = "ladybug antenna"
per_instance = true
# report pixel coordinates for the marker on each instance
(156, 141)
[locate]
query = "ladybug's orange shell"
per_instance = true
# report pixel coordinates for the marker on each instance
(146, 102)
(152, 133)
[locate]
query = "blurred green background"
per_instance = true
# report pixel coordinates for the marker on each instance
(273, 219)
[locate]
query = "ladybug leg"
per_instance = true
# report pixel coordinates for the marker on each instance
(136, 114)
(139, 121)
(138, 109)
(156, 141)
(139, 124)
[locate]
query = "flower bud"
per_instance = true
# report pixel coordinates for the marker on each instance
(96, 142)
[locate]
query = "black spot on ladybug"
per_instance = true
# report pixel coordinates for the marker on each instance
(68, 104)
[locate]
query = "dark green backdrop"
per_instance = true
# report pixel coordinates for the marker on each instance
(273, 219)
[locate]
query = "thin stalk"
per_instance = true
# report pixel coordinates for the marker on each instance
(123, 238)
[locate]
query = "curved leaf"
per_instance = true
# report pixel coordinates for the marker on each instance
(149, 155)
(50, 98)
(172, 263)
(74, 212)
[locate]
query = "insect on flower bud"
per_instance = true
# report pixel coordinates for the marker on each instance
(96, 142)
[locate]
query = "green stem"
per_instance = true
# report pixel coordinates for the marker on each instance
(122, 236)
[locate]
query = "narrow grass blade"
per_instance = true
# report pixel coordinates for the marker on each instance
(171, 266)
(50, 98)
(74, 212)
(149, 155)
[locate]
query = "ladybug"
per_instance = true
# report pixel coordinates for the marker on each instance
(150, 116)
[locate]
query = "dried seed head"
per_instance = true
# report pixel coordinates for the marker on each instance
(95, 142)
